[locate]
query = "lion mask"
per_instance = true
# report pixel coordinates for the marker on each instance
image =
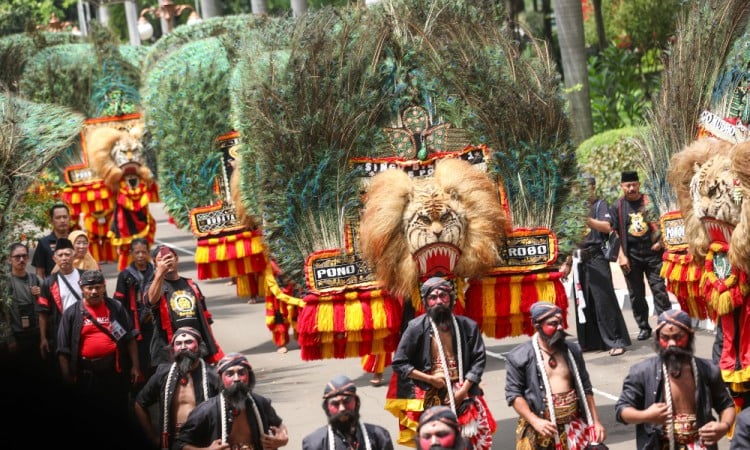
(117, 155)
(458, 205)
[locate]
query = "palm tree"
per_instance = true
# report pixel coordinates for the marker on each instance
(569, 19)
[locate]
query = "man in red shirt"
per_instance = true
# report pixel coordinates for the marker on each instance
(92, 336)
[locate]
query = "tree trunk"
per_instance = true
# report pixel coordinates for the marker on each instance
(599, 19)
(569, 19)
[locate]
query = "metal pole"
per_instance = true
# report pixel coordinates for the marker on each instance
(82, 22)
(131, 15)
(209, 8)
(102, 13)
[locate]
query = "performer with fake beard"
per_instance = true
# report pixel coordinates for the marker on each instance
(344, 430)
(547, 370)
(178, 387)
(237, 418)
(440, 360)
(670, 396)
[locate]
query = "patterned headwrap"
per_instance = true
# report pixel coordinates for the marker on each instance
(339, 385)
(232, 359)
(187, 330)
(675, 317)
(435, 283)
(90, 277)
(541, 311)
(440, 413)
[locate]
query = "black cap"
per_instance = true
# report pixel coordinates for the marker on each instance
(63, 243)
(628, 176)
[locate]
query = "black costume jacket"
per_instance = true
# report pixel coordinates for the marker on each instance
(318, 439)
(203, 426)
(415, 352)
(153, 391)
(524, 379)
(644, 386)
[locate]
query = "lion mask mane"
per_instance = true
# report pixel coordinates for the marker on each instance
(116, 154)
(459, 204)
(710, 178)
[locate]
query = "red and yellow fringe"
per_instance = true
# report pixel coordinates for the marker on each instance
(683, 278)
(241, 255)
(350, 324)
(500, 304)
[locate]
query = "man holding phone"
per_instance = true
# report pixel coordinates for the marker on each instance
(176, 302)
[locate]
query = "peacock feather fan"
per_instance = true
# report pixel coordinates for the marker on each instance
(303, 111)
(705, 32)
(349, 73)
(116, 81)
(65, 75)
(211, 27)
(31, 135)
(475, 75)
(186, 106)
(17, 49)
(730, 98)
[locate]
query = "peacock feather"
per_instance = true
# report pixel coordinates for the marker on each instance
(347, 74)
(471, 73)
(730, 97)
(116, 81)
(211, 27)
(705, 32)
(303, 111)
(31, 135)
(186, 104)
(17, 49)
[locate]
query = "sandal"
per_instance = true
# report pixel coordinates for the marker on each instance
(616, 351)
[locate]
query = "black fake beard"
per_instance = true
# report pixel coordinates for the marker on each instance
(441, 315)
(185, 361)
(675, 358)
(344, 421)
(236, 395)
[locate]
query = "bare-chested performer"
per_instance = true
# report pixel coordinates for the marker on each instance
(671, 397)
(549, 387)
(178, 387)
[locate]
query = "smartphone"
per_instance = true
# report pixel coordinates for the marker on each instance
(164, 251)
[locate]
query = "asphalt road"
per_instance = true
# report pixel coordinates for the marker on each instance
(296, 386)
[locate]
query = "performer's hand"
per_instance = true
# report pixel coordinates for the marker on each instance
(712, 432)
(218, 445)
(438, 381)
(544, 427)
(277, 437)
(601, 433)
(658, 413)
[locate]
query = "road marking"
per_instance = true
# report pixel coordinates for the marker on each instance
(607, 395)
